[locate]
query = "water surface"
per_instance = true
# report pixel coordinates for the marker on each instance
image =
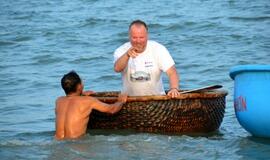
(42, 40)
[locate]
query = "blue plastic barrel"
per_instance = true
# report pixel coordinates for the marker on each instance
(252, 98)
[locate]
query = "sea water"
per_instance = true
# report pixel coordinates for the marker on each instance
(42, 40)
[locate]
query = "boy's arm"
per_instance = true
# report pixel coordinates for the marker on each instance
(59, 132)
(109, 108)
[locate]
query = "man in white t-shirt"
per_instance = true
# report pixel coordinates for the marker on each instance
(142, 61)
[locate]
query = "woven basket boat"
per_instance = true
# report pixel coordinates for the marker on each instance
(188, 113)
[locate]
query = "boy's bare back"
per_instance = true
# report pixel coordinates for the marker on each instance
(72, 114)
(73, 111)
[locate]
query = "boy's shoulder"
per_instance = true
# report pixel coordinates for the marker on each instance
(84, 98)
(88, 99)
(61, 98)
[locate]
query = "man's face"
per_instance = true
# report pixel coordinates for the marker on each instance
(138, 37)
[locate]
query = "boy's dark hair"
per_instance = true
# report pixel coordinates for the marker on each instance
(70, 81)
(138, 22)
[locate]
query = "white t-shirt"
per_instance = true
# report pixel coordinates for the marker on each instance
(143, 74)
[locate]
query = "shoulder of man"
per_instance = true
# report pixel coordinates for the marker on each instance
(123, 47)
(155, 44)
(158, 47)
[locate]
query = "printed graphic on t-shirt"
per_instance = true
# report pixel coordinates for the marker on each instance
(148, 64)
(140, 76)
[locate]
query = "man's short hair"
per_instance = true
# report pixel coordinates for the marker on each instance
(138, 22)
(70, 81)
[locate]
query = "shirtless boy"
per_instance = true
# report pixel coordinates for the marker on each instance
(72, 111)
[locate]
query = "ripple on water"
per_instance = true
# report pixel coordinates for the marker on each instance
(7, 43)
(106, 77)
(250, 19)
(89, 59)
(45, 59)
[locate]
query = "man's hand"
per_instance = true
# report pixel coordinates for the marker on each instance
(132, 52)
(174, 80)
(88, 93)
(173, 93)
(122, 62)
